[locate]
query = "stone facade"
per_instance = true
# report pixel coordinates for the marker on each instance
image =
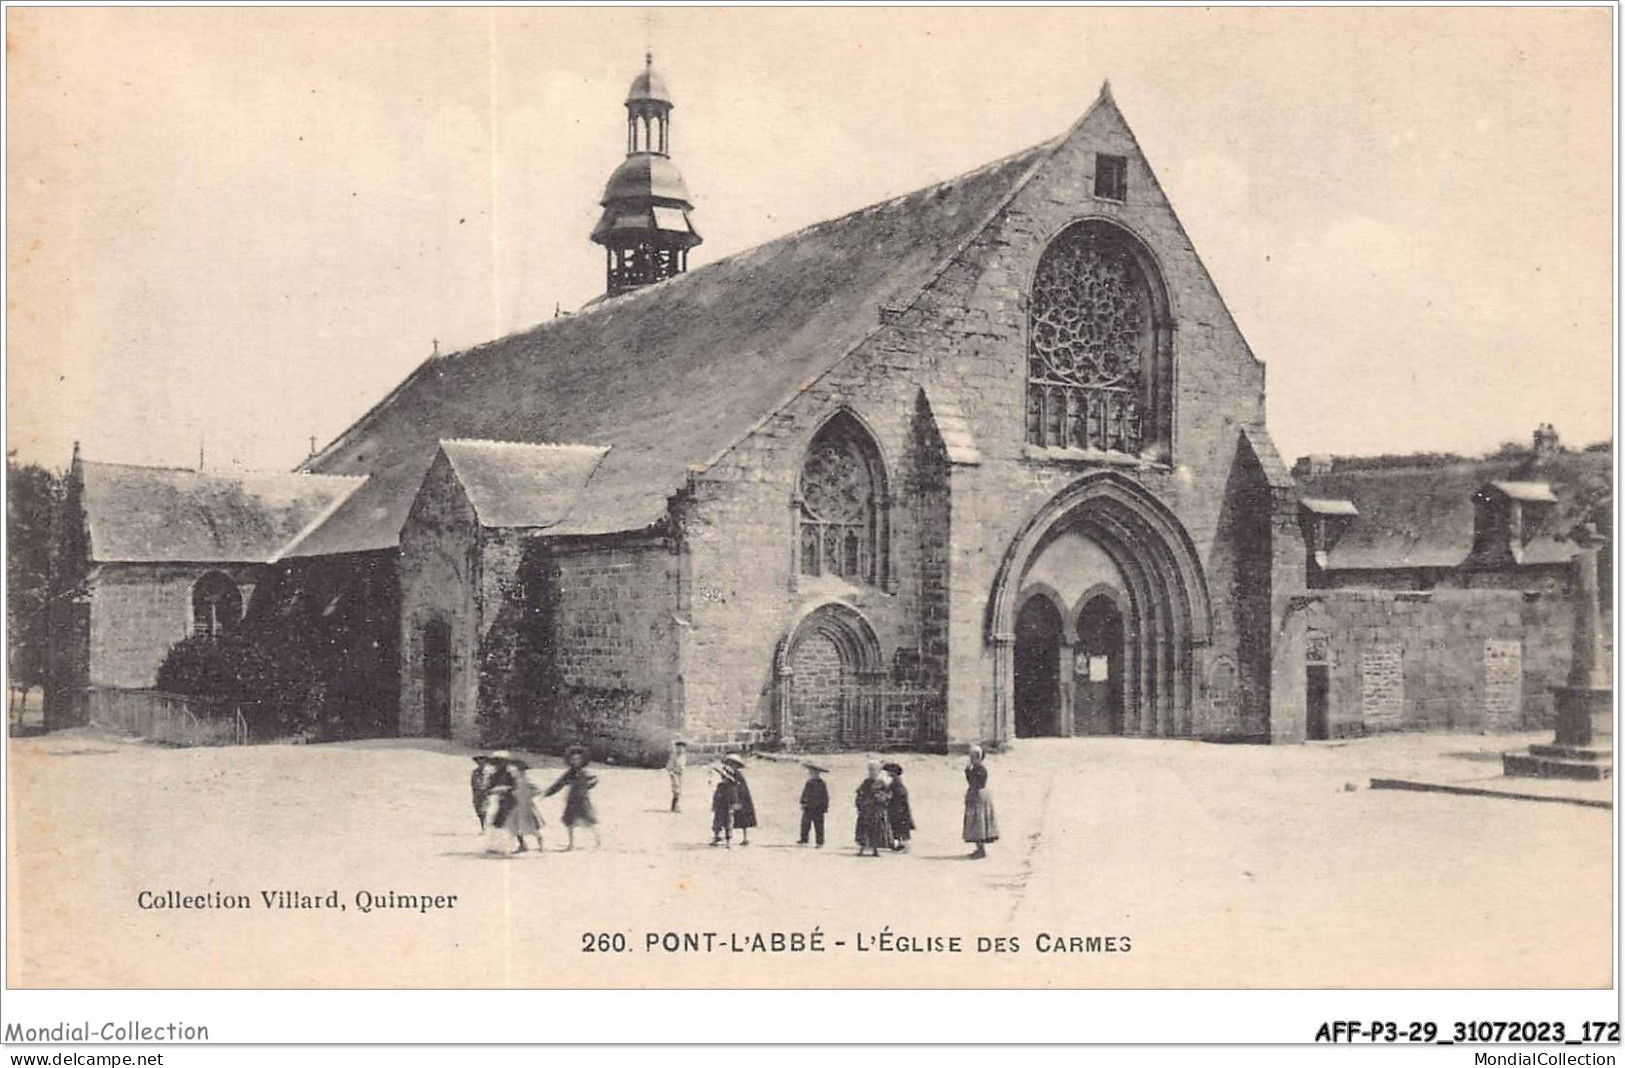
(964, 340)
(138, 611)
(544, 641)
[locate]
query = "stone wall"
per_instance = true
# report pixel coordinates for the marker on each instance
(139, 611)
(612, 610)
(1439, 660)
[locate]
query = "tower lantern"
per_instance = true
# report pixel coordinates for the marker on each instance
(645, 228)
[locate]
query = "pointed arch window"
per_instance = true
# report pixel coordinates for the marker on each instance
(840, 506)
(1099, 350)
(217, 605)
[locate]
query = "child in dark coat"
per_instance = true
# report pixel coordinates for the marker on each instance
(814, 803)
(724, 799)
(578, 809)
(897, 809)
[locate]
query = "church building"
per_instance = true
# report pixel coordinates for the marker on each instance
(983, 462)
(980, 462)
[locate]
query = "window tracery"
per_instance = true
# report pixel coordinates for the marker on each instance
(1092, 345)
(841, 506)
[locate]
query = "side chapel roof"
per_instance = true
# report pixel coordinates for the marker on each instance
(511, 484)
(156, 514)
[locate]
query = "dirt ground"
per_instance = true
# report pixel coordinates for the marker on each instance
(1220, 866)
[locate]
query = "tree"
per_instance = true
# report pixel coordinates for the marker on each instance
(32, 498)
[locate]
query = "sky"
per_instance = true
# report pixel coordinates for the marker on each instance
(237, 230)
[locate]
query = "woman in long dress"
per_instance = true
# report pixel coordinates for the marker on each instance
(874, 825)
(981, 826)
(744, 810)
(578, 808)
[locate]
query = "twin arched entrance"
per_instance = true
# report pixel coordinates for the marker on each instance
(1116, 657)
(1068, 664)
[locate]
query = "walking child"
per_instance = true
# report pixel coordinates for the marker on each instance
(814, 803)
(578, 808)
(510, 805)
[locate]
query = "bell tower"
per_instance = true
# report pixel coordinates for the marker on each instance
(645, 228)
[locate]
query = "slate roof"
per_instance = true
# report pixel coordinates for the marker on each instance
(160, 514)
(1532, 492)
(670, 375)
(1422, 516)
(518, 485)
(1322, 506)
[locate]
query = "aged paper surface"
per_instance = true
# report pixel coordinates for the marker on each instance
(234, 233)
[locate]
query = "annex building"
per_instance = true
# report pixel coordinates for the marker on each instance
(981, 462)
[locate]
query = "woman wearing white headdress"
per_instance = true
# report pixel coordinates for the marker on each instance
(981, 826)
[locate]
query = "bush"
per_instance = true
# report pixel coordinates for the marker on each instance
(274, 683)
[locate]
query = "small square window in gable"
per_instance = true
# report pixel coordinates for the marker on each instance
(1111, 177)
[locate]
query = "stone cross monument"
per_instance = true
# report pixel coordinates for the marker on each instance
(1583, 747)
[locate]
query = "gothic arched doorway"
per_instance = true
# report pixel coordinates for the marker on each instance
(1097, 668)
(437, 679)
(1164, 615)
(829, 672)
(1037, 668)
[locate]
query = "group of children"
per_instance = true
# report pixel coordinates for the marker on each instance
(505, 802)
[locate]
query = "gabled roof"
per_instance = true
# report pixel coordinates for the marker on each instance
(1530, 492)
(1322, 506)
(670, 375)
(517, 485)
(158, 514)
(1422, 515)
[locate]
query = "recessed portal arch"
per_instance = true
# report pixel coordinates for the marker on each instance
(1163, 608)
(826, 670)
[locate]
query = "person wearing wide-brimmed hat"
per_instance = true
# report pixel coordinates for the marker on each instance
(814, 803)
(874, 825)
(981, 826)
(744, 810)
(724, 801)
(578, 809)
(510, 804)
(898, 812)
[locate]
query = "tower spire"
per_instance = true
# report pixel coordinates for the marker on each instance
(645, 228)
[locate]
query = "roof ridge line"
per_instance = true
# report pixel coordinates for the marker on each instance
(322, 517)
(222, 471)
(620, 299)
(526, 444)
(1048, 150)
(368, 415)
